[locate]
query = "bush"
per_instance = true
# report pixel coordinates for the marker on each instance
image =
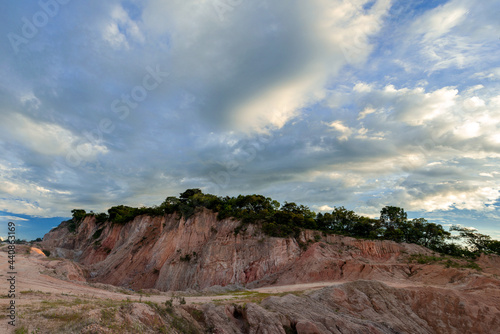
(71, 226)
(78, 215)
(186, 258)
(101, 218)
(97, 233)
(122, 214)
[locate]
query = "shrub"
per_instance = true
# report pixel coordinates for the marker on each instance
(186, 258)
(97, 233)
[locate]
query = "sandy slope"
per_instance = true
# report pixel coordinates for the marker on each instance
(38, 273)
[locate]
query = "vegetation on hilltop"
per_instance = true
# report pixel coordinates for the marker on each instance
(289, 219)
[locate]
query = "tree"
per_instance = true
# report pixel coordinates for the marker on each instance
(170, 205)
(343, 220)
(171, 201)
(122, 214)
(433, 235)
(366, 228)
(298, 215)
(78, 215)
(394, 220)
(185, 196)
(477, 242)
(392, 217)
(101, 218)
(494, 246)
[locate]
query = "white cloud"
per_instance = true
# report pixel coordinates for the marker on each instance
(473, 103)
(120, 28)
(468, 130)
(296, 66)
(344, 131)
(476, 199)
(324, 208)
(362, 87)
(48, 138)
(12, 218)
(452, 35)
(439, 21)
(412, 106)
(43, 138)
(367, 111)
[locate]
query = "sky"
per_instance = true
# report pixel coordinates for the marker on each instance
(326, 103)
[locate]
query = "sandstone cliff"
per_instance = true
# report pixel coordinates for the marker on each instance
(171, 253)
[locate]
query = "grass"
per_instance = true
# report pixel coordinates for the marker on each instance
(108, 316)
(71, 315)
(125, 292)
(423, 259)
(443, 260)
(21, 330)
(66, 317)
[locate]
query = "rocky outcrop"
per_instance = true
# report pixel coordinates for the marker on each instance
(171, 253)
(361, 307)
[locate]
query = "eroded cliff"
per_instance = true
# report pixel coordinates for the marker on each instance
(171, 253)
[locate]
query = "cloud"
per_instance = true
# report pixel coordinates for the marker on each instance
(120, 28)
(455, 34)
(344, 131)
(13, 218)
(47, 138)
(260, 76)
(328, 103)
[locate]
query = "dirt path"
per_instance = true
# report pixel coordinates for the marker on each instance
(31, 278)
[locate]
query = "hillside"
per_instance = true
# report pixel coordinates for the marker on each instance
(171, 253)
(313, 284)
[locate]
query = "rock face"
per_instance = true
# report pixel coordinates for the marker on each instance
(168, 253)
(363, 307)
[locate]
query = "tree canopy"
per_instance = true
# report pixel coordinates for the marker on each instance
(289, 219)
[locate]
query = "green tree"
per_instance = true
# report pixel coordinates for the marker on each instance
(122, 214)
(494, 246)
(170, 205)
(365, 227)
(186, 196)
(476, 241)
(78, 215)
(101, 218)
(392, 217)
(394, 220)
(343, 220)
(431, 235)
